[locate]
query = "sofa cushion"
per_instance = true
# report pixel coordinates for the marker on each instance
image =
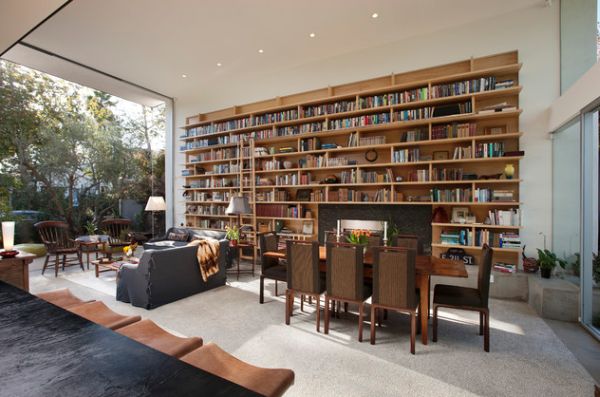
(177, 234)
(164, 244)
(217, 235)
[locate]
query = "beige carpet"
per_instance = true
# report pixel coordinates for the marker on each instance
(526, 358)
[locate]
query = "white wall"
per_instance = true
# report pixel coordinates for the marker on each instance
(534, 32)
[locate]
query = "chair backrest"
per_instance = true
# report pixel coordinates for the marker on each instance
(303, 266)
(268, 241)
(54, 235)
(409, 241)
(345, 271)
(394, 277)
(116, 229)
(485, 270)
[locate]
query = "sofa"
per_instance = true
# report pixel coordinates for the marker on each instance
(180, 237)
(166, 275)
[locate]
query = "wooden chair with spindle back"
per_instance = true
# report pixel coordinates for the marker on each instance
(303, 275)
(394, 286)
(55, 236)
(345, 280)
(464, 298)
(119, 233)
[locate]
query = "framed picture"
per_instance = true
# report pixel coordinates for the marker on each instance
(441, 155)
(307, 227)
(460, 214)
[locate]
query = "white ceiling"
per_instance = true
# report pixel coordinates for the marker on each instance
(153, 42)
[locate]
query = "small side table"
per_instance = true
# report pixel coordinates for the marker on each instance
(15, 271)
(239, 248)
(92, 244)
(111, 266)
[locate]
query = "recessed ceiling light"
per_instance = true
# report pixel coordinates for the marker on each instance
(312, 35)
(219, 64)
(184, 75)
(261, 51)
(374, 15)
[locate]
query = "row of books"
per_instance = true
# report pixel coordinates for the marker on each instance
(466, 237)
(220, 154)
(277, 211)
(463, 87)
(489, 149)
(311, 161)
(306, 178)
(372, 140)
(286, 179)
(204, 196)
(270, 165)
(221, 140)
(267, 196)
(485, 195)
(451, 195)
(510, 217)
(308, 144)
(406, 155)
(375, 177)
(348, 176)
(211, 224)
(343, 195)
(503, 267)
(360, 121)
(394, 98)
(338, 161)
(418, 176)
(205, 209)
(509, 240)
(353, 139)
(462, 153)
(328, 108)
(413, 114)
(414, 136)
(454, 130)
(447, 174)
(232, 124)
(268, 118)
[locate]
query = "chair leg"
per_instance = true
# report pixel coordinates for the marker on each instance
(56, 265)
(480, 323)
(64, 262)
(379, 314)
(318, 299)
(361, 308)
(486, 331)
(326, 331)
(310, 300)
(338, 304)
(373, 315)
(301, 303)
(287, 307)
(276, 288)
(413, 331)
(385, 314)
(261, 296)
(80, 258)
(345, 307)
(435, 323)
(45, 264)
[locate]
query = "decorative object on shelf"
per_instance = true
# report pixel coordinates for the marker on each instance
(260, 151)
(232, 234)
(530, 264)
(330, 179)
(441, 155)
(8, 235)
(303, 195)
(440, 215)
(272, 150)
(287, 164)
(278, 225)
(371, 155)
(129, 250)
(460, 214)
(548, 261)
(509, 171)
(307, 228)
(359, 236)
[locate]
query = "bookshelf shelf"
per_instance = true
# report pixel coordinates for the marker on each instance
(457, 121)
(477, 248)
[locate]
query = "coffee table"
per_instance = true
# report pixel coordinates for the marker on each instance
(112, 266)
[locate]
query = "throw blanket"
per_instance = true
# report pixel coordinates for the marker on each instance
(208, 256)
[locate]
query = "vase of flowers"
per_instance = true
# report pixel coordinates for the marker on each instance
(129, 250)
(233, 235)
(359, 237)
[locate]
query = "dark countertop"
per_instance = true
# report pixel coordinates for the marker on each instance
(48, 351)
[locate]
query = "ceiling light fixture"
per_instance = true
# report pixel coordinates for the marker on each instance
(219, 64)
(261, 51)
(374, 15)
(184, 75)
(312, 35)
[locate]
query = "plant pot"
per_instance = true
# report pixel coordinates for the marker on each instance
(545, 272)
(233, 243)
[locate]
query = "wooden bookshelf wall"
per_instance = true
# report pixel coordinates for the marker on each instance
(292, 144)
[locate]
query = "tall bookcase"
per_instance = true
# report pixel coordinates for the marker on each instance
(440, 136)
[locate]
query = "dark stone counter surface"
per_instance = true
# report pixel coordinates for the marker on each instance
(48, 351)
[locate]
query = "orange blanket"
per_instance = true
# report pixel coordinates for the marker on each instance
(208, 256)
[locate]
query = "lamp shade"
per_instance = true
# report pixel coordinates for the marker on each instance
(8, 235)
(238, 205)
(156, 203)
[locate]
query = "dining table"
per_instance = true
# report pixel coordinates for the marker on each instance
(49, 351)
(425, 267)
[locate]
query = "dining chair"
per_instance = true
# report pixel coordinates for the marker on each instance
(97, 312)
(150, 334)
(119, 233)
(269, 382)
(303, 275)
(345, 280)
(55, 237)
(270, 268)
(394, 286)
(62, 298)
(409, 241)
(475, 299)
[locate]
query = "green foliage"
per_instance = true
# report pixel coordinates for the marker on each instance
(232, 233)
(548, 259)
(60, 141)
(392, 231)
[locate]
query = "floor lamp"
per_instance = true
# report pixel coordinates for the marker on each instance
(154, 204)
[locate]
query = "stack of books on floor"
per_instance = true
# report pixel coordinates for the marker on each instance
(505, 267)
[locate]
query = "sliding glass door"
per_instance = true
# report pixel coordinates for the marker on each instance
(590, 262)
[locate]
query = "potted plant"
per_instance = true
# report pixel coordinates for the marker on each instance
(359, 237)
(232, 234)
(90, 228)
(548, 261)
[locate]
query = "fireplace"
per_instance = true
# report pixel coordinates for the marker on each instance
(410, 219)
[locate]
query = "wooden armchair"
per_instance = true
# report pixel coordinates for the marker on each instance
(394, 286)
(55, 236)
(118, 231)
(464, 298)
(303, 275)
(345, 280)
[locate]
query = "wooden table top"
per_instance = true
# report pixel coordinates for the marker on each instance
(425, 264)
(21, 256)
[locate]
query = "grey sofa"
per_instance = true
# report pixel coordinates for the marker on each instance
(166, 275)
(180, 237)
